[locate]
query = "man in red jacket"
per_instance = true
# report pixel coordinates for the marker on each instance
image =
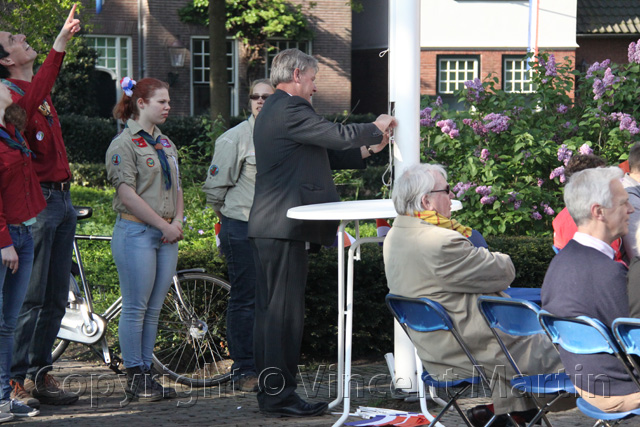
(45, 302)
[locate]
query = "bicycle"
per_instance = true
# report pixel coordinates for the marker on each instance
(191, 345)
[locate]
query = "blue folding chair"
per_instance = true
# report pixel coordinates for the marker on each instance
(586, 335)
(627, 333)
(518, 317)
(424, 315)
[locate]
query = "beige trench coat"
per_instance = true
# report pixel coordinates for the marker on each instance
(423, 260)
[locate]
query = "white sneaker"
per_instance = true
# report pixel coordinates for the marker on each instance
(19, 409)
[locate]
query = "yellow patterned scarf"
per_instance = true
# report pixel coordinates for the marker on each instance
(432, 217)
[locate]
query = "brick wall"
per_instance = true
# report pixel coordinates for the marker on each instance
(330, 20)
(594, 49)
(331, 23)
(490, 63)
(162, 27)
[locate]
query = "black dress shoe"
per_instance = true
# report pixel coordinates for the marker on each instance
(481, 414)
(299, 409)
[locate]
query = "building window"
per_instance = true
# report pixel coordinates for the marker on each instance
(275, 46)
(454, 71)
(114, 54)
(200, 75)
(515, 76)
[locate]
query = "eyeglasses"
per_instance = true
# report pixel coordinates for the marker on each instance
(255, 96)
(446, 189)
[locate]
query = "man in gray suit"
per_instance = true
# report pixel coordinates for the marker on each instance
(293, 169)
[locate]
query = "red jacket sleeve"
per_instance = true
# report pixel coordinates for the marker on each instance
(42, 83)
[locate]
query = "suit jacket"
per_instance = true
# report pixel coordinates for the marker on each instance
(424, 260)
(293, 167)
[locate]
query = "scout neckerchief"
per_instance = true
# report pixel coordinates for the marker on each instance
(43, 108)
(433, 217)
(19, 145)
(157, 144)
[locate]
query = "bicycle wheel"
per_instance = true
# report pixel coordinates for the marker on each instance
(191, 346)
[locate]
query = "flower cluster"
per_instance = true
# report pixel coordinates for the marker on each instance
(536, 215)
(597, 66)
(496, 123)
(513, 199)
(425, 117)
(485, 191)
(558, 173)
(477, 126)
(600, 86)
(634, 52)
(626, 122)
(448, 127)
(547, 209)
(540, 182)
(438, 102)
(585, 149)
(564, 154)
(550, 66)
(475, 90)
(562, 109)
(462, 187)
(484, 155)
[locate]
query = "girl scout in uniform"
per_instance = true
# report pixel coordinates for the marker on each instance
(142, 164)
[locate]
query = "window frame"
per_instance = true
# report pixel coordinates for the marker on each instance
(271, 51)
(523, 59)
(233, 69)
(449, 57)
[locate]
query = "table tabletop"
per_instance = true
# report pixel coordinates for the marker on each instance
(351, 210)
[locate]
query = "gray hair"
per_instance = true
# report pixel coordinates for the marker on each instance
(287, 61)
(587, 188)
(414, 183)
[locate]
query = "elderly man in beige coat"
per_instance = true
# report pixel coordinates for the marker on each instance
(427, 254)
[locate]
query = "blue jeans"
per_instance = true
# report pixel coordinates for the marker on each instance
(236, 248)
(13, 288)
(48, 290)
(145, 267)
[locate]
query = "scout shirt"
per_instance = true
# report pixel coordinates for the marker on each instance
(132, 161)
(231, 178)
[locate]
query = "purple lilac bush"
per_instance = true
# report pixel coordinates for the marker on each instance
(507, 151)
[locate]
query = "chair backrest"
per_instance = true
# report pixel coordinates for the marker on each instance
(419, 314)
(579, 335)
(425, 315)
(583, 335)
(510, 315)
(627, 333)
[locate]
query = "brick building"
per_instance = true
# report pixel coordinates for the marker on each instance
(138, 38)
(604, 30)
(462, 40)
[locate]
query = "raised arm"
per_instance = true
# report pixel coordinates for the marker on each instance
(70, 27)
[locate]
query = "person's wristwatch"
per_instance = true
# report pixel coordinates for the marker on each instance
(370, 150)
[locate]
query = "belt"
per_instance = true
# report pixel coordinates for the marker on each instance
(134, 218)
(60, 186)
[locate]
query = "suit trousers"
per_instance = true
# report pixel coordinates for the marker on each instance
(281, 277)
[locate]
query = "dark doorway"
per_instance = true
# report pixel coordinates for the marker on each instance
(105, 89)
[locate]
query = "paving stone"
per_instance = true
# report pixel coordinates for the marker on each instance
(102, 401)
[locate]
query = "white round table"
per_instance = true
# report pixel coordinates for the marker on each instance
(346, 212)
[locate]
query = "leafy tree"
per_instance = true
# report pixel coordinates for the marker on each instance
(40, 21)
(253, 22)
